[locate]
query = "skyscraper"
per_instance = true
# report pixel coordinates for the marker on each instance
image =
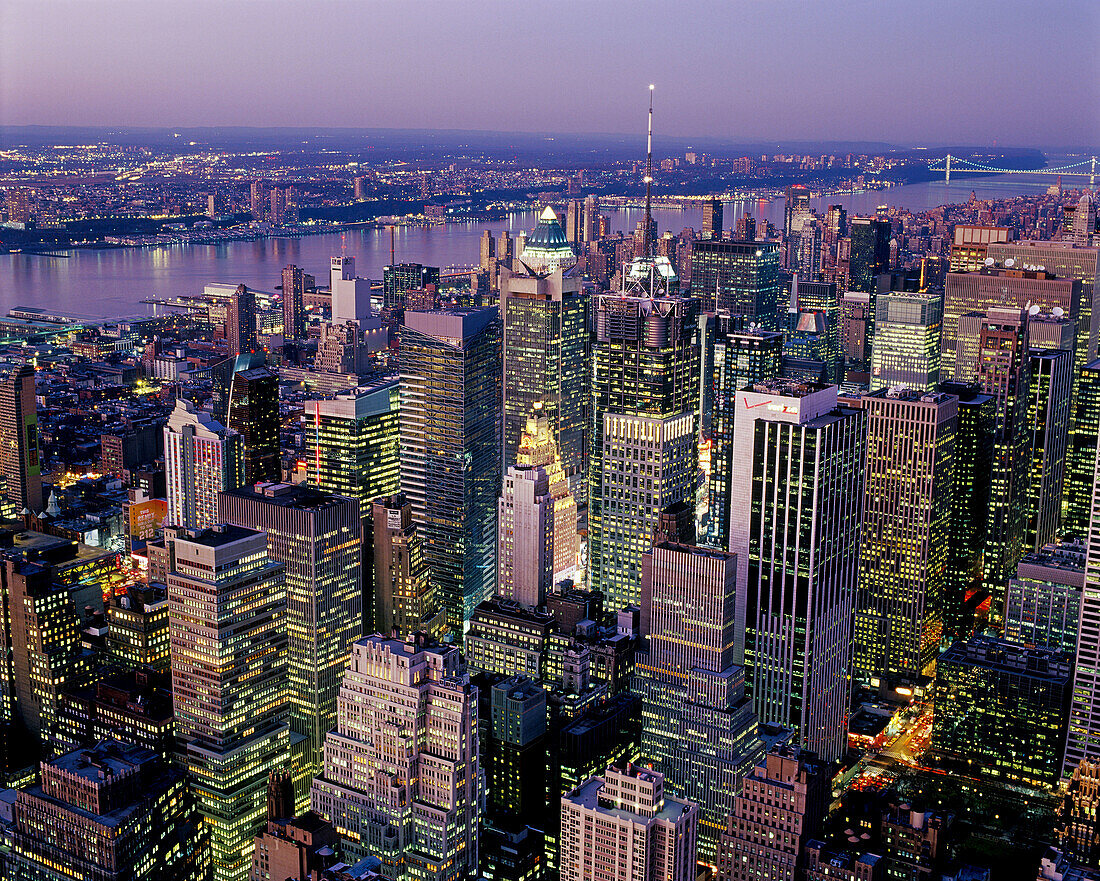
(352, 442)
(1081, 455)
(712, 218)
(450, 449)
(1014, 287)
(795, 211)
(22, 470)
(970, 245)
(1003, 374)
(402, 783)
(698, 726)
(240, 322)
(968, 524)
(1048, 412)
(201, 459)
(740, 359)
(259, 199)
(294, 313)
(815, 312)
(254, 414)
(537, 449)
(782, 805)
(870, 254)
(1043, 601)
(546, 363)
(905, 350)
(227, 613)
(397, 280)
(574, 222)
(404, 599)
(525, 545)
(627, 806)
(741, 278)
(904, 551)
(315, 535)
(644, 449)
(591, 218)
(113, 811)
(795, 527)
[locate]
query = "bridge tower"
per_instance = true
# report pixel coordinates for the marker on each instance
(947, 170)
(1092, 173)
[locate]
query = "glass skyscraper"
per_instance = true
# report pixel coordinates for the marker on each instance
(1081, 455)
(450, 449)
(870, 254)
(404, 277)
(740, 359)
(644, 443)
(905, 349)
(741, 278)
(546, 364)
(795, 527)
(1048, 413)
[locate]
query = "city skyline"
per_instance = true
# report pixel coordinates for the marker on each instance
(803, 75)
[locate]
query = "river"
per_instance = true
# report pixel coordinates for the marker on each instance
(112, 283)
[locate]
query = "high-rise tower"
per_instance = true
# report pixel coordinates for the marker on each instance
(450, 449)
(201, 459)
(22, 469)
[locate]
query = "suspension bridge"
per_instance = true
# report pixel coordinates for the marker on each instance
(1084, 168)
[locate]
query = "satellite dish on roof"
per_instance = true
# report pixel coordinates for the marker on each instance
(1034, 310)
(989, 261)
(1058, 311)
(1009, 263)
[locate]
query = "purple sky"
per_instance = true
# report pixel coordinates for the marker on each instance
(912, 72)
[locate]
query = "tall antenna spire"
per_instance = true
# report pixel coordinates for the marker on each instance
(646, 243)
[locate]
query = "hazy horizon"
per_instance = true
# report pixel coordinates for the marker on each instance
(930, 73)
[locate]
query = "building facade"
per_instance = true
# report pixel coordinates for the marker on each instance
(741, 278)
(201, 459)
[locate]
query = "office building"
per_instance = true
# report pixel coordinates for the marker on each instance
(975, 681)
(352, 442)
(977, 292)
(814, 316)
(906, 521)
(591, 218)
(350, 295)
(905, 350)
(515, 758)
(137, 627)
(22, 470)
(450, 449)
(623, 827)
(712, 218)
(402, 783)
(1048, 413)
(546, 362)
(1003, 373)
(133, 707)
(644, 445)
(1078, 822)
(574, 222)
(970, 245)
(870, 254)
(399, 279)
(968, 524)
(404, 599)
(48, 582)
(294, 311)
(201, 459)
(259, 199)
(856, 333)
(698, 726)
(741, 278)
(796, 210)
(740, 359)
(240, 322)
(1043, 601)
(115, 812)
(798, 458)
(525, 537)
(254, 414)
(300, 847)
(780, 808)
(823, 863)
(316, 536)
(227, 611)
(1080, 466)
(1063, 260)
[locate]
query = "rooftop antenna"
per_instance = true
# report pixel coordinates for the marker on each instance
(646, 244)
(343, 244)
(392, 228)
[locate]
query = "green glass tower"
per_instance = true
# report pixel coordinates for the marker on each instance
(546, 363)
(1081, 457)
(905, 349)
(352, 442)
(870, 254)
(741, 278)
(450, 449)
(644, 447)
(403, 277)
(740, 359)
